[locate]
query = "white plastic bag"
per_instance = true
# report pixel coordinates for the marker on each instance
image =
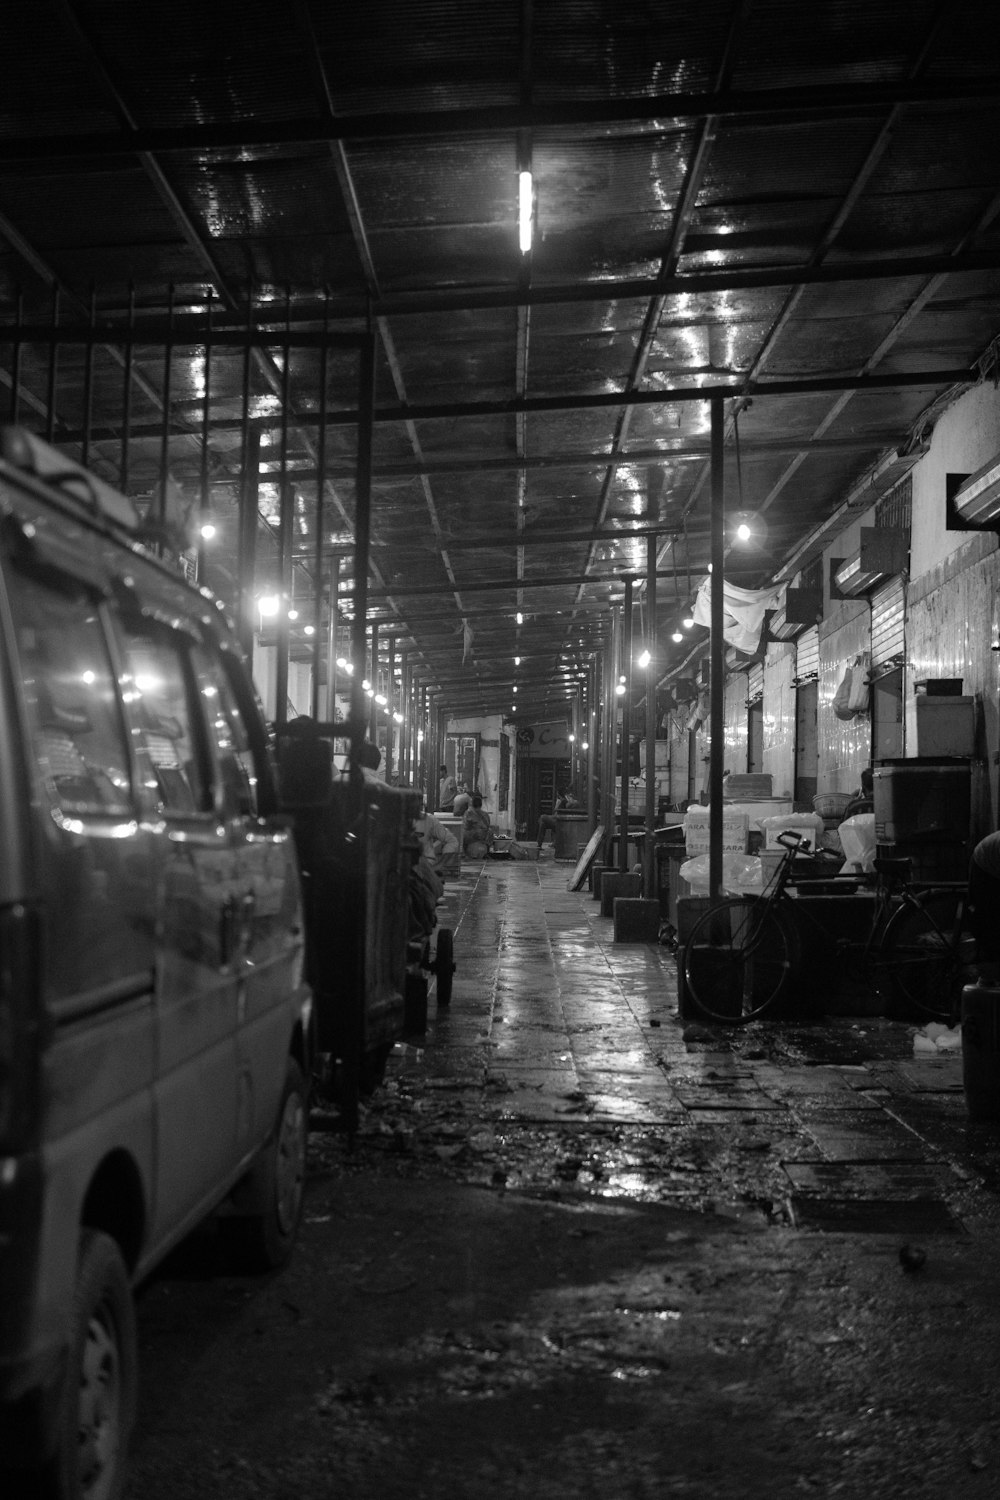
(857, 838)
(841, 698)
(858, 693)
(740, 873)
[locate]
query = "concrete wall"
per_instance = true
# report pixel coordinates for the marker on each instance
(951, 629)
(491, 729)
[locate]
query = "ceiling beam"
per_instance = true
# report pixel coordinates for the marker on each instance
(812, 101)
(404, 591)
(152, 329)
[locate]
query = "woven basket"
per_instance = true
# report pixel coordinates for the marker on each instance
(831, 804)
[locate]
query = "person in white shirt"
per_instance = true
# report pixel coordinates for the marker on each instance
(447, 787)
(462, 802)
(436, 841)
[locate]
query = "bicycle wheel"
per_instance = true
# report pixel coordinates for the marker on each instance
(739, 959)
(922, 960)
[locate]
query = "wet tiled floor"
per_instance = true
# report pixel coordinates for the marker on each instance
(555, 1028)
(579, 1249)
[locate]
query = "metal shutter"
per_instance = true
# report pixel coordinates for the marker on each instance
(888, 615)
(807, 654)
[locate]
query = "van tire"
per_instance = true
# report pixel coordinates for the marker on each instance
(94, 1417)
(265, 1240)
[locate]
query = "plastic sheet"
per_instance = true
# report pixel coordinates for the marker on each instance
(740, 873)
(857, 839)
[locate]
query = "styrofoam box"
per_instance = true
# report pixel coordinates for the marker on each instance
(806, 825)
(760, 808)
(735, 829)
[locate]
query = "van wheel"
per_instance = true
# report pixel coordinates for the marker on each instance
(265, 1240)
(95, 1414)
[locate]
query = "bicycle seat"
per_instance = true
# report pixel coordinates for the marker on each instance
(893, 869)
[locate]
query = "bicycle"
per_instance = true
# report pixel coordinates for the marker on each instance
(743, 957)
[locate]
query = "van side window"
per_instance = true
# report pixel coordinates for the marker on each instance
(69, 687)
(228, 734)
(158, 687)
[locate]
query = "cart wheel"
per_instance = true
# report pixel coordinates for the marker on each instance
(415, 1005)
(444, 965)
(373, 1065)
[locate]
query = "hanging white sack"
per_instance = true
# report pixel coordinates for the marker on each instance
(857, 697)
(841, 704)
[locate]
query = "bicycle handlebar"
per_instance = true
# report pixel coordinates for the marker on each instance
(794, 841)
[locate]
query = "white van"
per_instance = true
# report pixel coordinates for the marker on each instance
(154, 1024)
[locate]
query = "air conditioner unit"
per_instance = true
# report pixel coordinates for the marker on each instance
(974, 499)
(780, 628)
(802, 607)
(883, 553)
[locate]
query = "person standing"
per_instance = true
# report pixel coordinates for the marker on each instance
(983, 905)
(447, 787)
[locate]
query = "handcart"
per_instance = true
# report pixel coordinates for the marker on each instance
(357, 852)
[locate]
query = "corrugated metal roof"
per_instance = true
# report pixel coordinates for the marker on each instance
(710, 181)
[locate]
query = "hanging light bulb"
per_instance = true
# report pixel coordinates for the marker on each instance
(644, 660)
(677, 636)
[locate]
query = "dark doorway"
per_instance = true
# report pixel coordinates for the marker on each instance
(806, 749)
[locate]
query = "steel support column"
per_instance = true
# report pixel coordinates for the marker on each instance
(593, 741)
(373, 684)
(648, 850)
(626, 725)
(716, 652)
(285, 529)
(610, 726)
(390, 707)
(362, 539)
(249, 480)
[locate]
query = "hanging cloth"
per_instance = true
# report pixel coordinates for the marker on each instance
(743, 612)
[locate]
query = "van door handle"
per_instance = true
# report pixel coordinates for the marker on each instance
(227, 932)
(247, 912)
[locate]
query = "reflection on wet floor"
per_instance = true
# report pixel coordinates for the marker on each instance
(561, 1067)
